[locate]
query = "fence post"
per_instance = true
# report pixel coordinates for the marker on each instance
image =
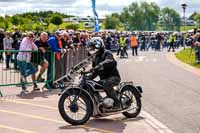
(68, 67)
(52, 68)
(1, 95)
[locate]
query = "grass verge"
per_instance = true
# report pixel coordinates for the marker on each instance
(186, 57)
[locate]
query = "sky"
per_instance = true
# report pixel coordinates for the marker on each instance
(83, 7)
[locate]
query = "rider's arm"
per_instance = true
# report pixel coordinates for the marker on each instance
(94, 73)
(109, 62)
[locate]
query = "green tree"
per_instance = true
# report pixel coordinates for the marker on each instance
(2, 24)
(150, 15)
(15, 20)
(6, 22)
(112, 22)
(140, 17)
(170, 19)
(38, 27)
(193, 15)
(197, 19)
(72, 26)
(56, 19)
(131, 17)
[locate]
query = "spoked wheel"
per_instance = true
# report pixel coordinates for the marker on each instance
(132, 102)
(74, 108)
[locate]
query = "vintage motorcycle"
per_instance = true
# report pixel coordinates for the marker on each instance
(80, 101)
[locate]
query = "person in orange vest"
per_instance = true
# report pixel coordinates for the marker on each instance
(134, 45)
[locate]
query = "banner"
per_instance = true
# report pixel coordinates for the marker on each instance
(96, 21)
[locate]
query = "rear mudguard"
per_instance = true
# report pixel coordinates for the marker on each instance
(86, 93)
(137, 89)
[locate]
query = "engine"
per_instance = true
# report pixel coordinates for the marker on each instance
(108, 102)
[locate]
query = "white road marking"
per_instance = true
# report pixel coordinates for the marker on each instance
(140, 59)
(128, 60)
(15, 129)
(157, 125)
(154, 60)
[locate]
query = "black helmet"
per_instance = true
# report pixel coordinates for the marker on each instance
(95, 45)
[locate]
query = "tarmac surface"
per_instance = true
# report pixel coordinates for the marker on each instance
(171, 89)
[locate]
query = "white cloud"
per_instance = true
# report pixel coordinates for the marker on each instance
(83, 7)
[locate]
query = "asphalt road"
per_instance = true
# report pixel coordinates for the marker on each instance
(171, 94)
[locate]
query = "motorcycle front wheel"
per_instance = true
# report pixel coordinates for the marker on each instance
(133, 101)
(75, 107)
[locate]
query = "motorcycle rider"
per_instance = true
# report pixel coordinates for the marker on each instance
(104, 66)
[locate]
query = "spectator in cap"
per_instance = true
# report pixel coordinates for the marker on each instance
(55, 44)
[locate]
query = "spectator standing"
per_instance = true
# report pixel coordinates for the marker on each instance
(134, 45)
(7, 44)
(172, 41)
(16, 44)
(24, 58)
(159, 40)
(67, 44)
(77, 39)
(104, 38)
(143, 43)
(42, 58)
(197, 47)
(83, 39)
(56, 46)
(66, 41)
(108, 42)
(2, 36)
(122, 44)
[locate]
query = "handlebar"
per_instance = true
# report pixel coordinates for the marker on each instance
(80, 69)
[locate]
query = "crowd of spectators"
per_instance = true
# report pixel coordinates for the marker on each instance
(62, 40)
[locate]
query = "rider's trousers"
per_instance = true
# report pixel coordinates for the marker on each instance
(108, 84)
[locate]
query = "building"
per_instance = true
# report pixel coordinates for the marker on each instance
(188, 22)
(82, 19)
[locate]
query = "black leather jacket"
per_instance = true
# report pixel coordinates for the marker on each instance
(107, 65)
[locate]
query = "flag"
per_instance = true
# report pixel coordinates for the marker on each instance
(96, 21)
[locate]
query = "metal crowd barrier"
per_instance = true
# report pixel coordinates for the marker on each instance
(56, 69)
(11, 76)
(70, 59)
